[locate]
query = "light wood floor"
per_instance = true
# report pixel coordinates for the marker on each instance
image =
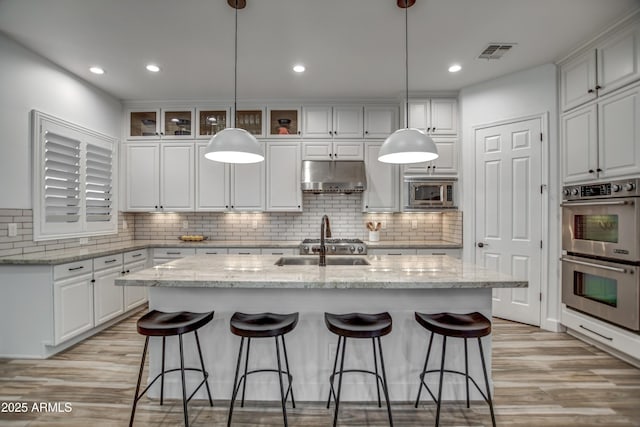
(541, 379)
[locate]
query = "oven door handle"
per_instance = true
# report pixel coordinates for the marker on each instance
(591, 264)
(606, 203)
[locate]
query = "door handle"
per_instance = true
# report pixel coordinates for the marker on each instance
(591, 264)
(482, 244)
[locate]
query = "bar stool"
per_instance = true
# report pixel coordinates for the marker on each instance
(159, 324)
(472, 325)
(263, 325)
(358, 325)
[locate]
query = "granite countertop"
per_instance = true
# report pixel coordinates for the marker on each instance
(78, 254)
(260, 271)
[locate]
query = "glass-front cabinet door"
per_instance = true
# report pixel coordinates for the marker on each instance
(143, 123)
(284, 122)
(212, 120)
(177, 123)
(251, 120)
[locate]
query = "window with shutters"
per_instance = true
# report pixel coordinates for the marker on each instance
(73, 180)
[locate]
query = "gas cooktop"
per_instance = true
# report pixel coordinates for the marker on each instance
(334, 246)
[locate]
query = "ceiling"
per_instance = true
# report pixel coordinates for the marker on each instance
(351, 48)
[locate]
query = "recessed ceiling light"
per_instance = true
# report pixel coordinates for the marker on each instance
(96, 70)
(455, 68)
(153, 68)
(299, 68)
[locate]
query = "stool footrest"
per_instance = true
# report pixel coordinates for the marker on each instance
(206, 377)
(449, 371)
(332, 392)
(256, 371)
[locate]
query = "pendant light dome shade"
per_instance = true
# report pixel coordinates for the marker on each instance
(408, 145)
(234, 145)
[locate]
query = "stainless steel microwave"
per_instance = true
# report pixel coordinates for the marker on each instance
(427, 193)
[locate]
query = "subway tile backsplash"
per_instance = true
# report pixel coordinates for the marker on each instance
(344, 211)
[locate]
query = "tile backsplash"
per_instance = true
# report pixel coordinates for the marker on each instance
(344, 211)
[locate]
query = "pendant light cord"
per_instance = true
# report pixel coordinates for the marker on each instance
(406, 59)
(235, 72)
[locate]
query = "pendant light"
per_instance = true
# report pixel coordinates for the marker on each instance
(407, 145)
(234, 145)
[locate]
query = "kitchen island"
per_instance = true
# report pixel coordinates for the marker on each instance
(252, 284)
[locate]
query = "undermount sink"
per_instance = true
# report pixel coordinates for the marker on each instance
(331, 260)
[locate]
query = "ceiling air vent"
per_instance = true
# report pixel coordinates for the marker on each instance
(496, 50)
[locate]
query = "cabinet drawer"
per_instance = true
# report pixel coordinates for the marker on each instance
(244, 251)
(279, 251)
(135, 256)
(108, 261)
(211, 251)
(456, 253)
(381, 251)
(173, 252)
(71, 269)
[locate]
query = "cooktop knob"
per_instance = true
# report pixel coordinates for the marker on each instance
(352, 248)
(615, 188)
(333, 248)
(305, 249)
(566, 191)
(630, 186)
(360, 249)
(575, 192)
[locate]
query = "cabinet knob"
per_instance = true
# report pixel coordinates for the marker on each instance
(335, 132)
(226, 206)
(590, 91)
(598, 170)
(598, 87)
(156, 206)
(330, 154)
(335, 155)
(298, 206)
(366, 132)
(591, 171)
(433, 129)
(330, 132)
(299, 132)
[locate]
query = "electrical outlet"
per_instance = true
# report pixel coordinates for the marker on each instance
(125, 224)
(13, 229)
(254, 224)
(185, 225)
(414, 224)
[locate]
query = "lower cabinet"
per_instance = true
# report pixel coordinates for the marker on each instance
(72, 300)
(108, 299)
(134, 296)
(164, 255)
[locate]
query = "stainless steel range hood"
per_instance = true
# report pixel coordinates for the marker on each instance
(333, 176)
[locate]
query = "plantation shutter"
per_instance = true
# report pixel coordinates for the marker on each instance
(99, 185)
(61, 178)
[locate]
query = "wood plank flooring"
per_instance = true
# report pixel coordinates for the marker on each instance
(541, 379)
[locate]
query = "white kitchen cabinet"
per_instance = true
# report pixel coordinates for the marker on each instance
(134, 296)
(445, 165)
(224, 187)
(456, 253)
(380, 121)
(108, 299)
(332, 150)
(211, 119)
(283, 164)
(164, 255)
(211, 251)
(436, 116)
(322, 121)
(580, 144)
(611, 64)
(154, 123)
(279, 251)
(72, 300)
(602, 139)
(160, 177)
(383, 182)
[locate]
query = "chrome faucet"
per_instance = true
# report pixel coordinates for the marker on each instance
(323, 247)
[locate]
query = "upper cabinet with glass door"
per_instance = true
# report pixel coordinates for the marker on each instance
(251, 120)
(169, 123)
(283, 122)
(211, 120)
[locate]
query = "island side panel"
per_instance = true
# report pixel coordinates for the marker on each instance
(311, 347)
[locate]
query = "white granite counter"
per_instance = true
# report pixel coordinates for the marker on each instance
(78, 254)
(260, 271)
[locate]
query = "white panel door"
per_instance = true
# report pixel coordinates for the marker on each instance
(419, 113)
(134, 295)
(380, 121)
(578, 81)
(619, 60)
(383, 182)
(348, 150)
(177, 177)
(619, 134)
(508, 213)
(317, 150)
(317, 122)
(212, 183)
(72, 307)
(444, 116)
(108, 298)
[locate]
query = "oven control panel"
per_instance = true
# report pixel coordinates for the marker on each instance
(602, 190)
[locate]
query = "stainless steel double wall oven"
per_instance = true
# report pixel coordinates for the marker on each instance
(601, 251)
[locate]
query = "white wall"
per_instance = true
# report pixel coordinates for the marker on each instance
(27, 82)
(525, 93)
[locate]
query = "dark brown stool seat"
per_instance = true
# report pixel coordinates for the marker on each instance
(358, 326)
(160, 324)
(262, 325)
(453, 325)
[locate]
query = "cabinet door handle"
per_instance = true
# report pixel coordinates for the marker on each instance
(136, 255)
(598, 170)
(590, 91)
(591, 171)
(174, 253)
(598, 87)
(76, 268)
(110, 261)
